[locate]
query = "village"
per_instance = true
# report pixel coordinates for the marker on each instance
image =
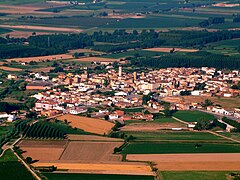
(106, 95)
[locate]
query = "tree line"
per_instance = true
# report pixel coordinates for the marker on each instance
(119, 40)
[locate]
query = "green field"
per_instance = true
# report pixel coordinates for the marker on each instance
(133, 53)
(10, 168)
(168, 148)
(192, 116)
(174, 136)
(64, 176)
(195, 175)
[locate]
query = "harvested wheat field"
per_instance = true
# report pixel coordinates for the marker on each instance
(169, 49)
(43, 151)
(96, 59)
(187, 162)
(151, 126)
(42, 58)
(10, 68)
(106, 168)
(92, 125)
(42, 28)
(89, 152)
(73, 137)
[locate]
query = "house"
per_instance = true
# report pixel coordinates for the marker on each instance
(9, 117)
(221, 110)
(78, 110)
(11, 76)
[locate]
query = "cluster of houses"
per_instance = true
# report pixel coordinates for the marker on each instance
(125, 90)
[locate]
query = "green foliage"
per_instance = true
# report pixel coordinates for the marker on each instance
(232, 123)
(39, 130)
(203, 124)
(219, 124)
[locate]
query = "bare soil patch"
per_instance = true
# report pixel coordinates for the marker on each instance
(42, 58)
(92, 125)
(180, 162)
(169, 49)
(91, 152)
(10, 68)
(42, 151)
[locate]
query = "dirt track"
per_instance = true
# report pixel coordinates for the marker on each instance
(180, 162)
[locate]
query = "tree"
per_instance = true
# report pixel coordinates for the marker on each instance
(146, 98)
(203, 124)
(29, 160)
(207, 103)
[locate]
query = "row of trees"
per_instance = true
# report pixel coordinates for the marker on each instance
(39, 130)
(232, 123)
(122, 40)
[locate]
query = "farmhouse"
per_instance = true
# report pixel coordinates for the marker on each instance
(78, 110)
(9, 117)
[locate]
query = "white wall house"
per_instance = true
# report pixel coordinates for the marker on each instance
(9, 117)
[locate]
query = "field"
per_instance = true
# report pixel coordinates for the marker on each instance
(195, 175)
(192, 116)
(88, 124)
(42, 58)
(133, 53)
(103, 168)
(42, 150)
(9, 165)
(63, 176)
(95, 59)
(157, 124)
(9, 68)
(169, 148)
(175, 136)
(91, 152)
(187, 162)
(169, 49)
(223, 101)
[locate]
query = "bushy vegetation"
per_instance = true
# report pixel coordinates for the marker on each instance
(232, 123)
